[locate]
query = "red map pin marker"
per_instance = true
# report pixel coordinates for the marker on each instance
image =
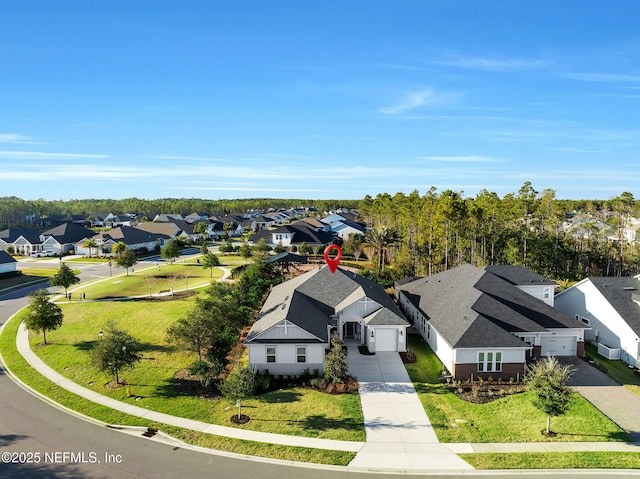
(332, 263)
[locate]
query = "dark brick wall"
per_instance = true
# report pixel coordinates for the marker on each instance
(509, 370)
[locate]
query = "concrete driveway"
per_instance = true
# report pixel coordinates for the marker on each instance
(399, 434)
(617, 403)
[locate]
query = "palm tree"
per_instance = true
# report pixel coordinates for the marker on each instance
(380, 239)
(119, 248)
(89, 244)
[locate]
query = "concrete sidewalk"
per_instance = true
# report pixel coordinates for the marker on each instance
(22, 343)
(399, 434)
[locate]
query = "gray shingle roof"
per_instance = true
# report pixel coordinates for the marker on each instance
(471, 307)
(310, 300)
(12, 234)
(519, 275)
(6, 258)
(68, 233)
(620, 292)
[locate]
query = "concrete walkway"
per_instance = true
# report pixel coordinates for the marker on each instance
(22, 343)
(399, 434)
(614, 401)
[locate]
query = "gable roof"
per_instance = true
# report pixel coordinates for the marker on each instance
(68, 233)
(309, 301)
(518, 275)
(471, 307)
(129, 235)
(623, 294)
(12, 234)
(301, 234)
(6, 258)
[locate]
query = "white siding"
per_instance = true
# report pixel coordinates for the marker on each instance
(542, 292)
(470, 356)
(607, 326)
(286, 358)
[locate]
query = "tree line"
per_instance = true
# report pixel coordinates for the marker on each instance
(16, 212)
(425, 234)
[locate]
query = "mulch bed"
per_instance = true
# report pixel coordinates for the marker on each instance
(348, 386)
(243, 419)
(485, 392)
(408, 357)
(187, 384)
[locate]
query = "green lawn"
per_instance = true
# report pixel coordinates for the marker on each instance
(617, 370)
(18, 366)
(509, 419)
(141, 282)
(28, 276)
(294, 411)
(555, 460)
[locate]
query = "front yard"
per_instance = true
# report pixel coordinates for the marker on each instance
(508, 419)
(292, 411)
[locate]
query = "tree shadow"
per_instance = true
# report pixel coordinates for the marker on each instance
(321, 423)
(86, 345)
(8, 439)
(275, 397)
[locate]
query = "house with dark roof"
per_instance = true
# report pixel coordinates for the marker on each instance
(295, 325)
(480, 324)
(610, 307)
(23, 240)
(526, 280)
(7, 263)
(135, 239)
(61, 239)
(292, 235)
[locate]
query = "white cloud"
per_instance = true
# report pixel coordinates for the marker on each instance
(603, 77)
(39, 155)
(418, 99)
(490, 64)
(463, 159)
(15, 138)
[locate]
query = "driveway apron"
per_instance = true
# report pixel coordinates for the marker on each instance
(399, 434)
(614, 401)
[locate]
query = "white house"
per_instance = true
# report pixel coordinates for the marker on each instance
(610, 306)
(480, 324)
(7, 263)
(295, 325)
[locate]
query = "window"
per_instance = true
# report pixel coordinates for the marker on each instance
(546, 293)
(271, 354)
(489, 361)
(584, 320)
(428, 330)
(301, 354)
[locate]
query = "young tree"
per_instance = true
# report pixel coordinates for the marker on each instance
(65, 277)
(171, 251)
(210, 260)
(126, 259)
(239, 385)
(201, 229)
(245, 251)
(335, 362)
(547, 380)
(116, 351)
(193, 332)
(42, 315)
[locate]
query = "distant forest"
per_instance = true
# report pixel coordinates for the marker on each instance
(434, 231)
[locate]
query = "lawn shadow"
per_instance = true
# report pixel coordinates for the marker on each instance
(620, 436)
(321, 423)
(86, 345)
(275, 397)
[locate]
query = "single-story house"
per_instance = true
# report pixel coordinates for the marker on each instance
(610, 306)
(23, 240)
(294, 327)
(292, 235)
(480, 324)
(135, 239)
(7, 263)
(61, 239)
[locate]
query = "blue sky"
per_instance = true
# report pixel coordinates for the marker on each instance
(291, 99)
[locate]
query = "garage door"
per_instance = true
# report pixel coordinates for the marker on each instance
(558, 346)
(386, 340)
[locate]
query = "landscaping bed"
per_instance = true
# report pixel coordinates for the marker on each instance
(482, 393)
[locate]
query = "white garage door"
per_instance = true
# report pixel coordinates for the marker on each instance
(386, 340)
(558, 346)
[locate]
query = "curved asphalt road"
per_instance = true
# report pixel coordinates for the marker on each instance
(70, 447)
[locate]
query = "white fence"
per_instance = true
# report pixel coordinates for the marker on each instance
(607, 352)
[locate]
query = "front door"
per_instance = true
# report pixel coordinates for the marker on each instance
(348, 333)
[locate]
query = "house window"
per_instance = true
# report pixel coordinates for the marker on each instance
(489, 361)
(301, 354)
(271, 354)
(584, 320)
(428, 330)
(546, 293)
